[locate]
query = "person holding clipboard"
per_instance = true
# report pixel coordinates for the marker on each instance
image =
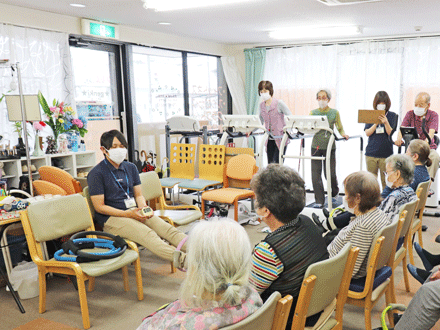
(380, 145)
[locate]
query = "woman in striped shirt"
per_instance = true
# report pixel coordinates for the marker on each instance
(280, 261)
(362, 198)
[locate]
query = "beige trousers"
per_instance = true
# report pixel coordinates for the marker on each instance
(148, 234)
(435, 158)
(377, 164)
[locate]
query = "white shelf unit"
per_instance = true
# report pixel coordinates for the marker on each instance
(73, 162)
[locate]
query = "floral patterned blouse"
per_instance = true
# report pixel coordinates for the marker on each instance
(177, 316)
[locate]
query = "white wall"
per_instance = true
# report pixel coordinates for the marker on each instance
(55, 22)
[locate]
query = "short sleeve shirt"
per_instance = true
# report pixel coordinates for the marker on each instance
(411, 120)
(114, 184)
(380, 144)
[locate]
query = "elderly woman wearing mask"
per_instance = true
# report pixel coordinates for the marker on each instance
(216, 291)
(400, 173)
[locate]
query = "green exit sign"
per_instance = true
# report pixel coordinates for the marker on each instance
(102, 30)
(99, 29)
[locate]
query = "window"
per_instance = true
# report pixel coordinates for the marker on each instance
(158, 82)
(203, 89)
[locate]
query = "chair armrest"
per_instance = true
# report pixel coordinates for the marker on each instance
(181, 207)
(132, 245)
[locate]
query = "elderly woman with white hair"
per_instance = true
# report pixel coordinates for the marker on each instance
(216, 291)
(319, 147)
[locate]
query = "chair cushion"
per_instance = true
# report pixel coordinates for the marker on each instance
(101, 267)
(171, 182)
(198, 184)
(381, 276)
(227, 195)
(416, 222)
(180, 217)
(400, 243)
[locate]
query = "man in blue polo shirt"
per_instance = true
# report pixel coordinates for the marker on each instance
(115, 191)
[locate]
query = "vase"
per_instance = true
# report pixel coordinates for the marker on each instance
(21, 148)
(38, 150)
(51, 145)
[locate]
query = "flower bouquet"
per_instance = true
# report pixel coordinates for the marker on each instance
(60, 118)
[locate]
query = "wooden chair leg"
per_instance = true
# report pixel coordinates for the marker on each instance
(389, 300)
(368, 318)
(203, 208)
(410, 249)
(125, 278)
(405, 273)
(140, 288)
(91, 284)
(83, 301)
(173, 269)
(391, 290)
(236, 210)
(42, 282)
(420, 237)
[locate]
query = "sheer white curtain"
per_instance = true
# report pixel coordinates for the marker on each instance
(45, 63)
(354, 73)
(235, 84)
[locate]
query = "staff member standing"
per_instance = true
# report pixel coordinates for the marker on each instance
(380, 145)
(414, 118)
(272, 113)
(319, 147)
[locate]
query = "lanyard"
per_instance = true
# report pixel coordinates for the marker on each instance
(126, 177)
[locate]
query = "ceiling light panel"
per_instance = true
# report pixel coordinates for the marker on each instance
(345, 2)
(168, 5)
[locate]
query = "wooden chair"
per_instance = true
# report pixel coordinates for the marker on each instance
(272, 315)
(60, 178)
(177, 215)
(325, 289)
(54, 218)
(366, 291)
(422, 193)
(407, 212)
(44, 188)
(239, 168)
(211, 169)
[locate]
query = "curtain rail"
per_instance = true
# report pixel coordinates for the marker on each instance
(351, 41)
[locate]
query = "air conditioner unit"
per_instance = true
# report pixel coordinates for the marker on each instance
(345, 2)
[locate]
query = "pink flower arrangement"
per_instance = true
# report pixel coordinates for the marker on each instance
(39, 125)
(78, 123)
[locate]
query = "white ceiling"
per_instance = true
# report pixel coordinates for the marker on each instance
(250, 22)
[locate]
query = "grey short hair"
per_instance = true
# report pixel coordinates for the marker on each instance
(281, 190)
(404, 164)
(327, 91)
(219, 262)
(426, 96)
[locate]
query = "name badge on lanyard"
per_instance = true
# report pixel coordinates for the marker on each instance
(380, 130)
(130, 203)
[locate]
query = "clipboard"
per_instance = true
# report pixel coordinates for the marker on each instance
(370, 116)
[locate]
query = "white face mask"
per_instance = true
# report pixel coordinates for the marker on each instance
(265, 96)
(381, 106)
(346, 207)
(117, 155)
(419, 111)
(323, 104)
(388, 182)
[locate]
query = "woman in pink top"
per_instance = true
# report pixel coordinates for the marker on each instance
(272, 113)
